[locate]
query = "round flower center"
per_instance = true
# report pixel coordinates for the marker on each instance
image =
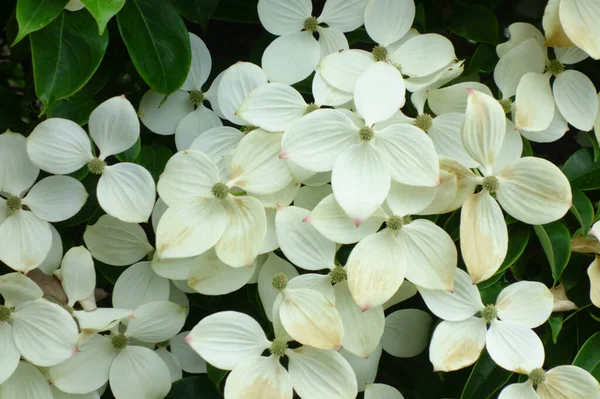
(278, 347)
(506, 105)
(490, 183)
(13, 203)
(280, 281)
(311, 24)
(196, 97)
(380, 53)
(338, 274)
(395, 222)
(96, 166)
(537, 376)
(310, 108)
(119, 341)
(423, 122)
(555, 67)
(489, 313)
(4, 313)
(365, 133)
(220, 191)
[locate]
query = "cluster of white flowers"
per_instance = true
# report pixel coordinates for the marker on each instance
(270, 197)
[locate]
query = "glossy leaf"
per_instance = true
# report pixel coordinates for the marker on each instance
(198, 386)
(581, 170)
(518, 238)
(556, 242)
(103, 10)
(485, 379)
(583, 210)
(198, 11)
(158, 43)
(131, 154)
(154, 158)
(33, 15)
(477, 23)
(588, 357)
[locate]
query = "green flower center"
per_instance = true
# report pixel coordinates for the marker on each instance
(13, 203)
(4, 313)
(537, 376)
(247, 129)
(365, 133)
(278, 347)
(96, 166)
(338, 274)
(506, 105)
(280, 281)
(220, 191)
(490, 183)
(380, 53)
(119, 341)
(555, 67)
(489, 313)
(311, 24)
(310, 108)
(395, 222)
(196, 97)
(423, 122)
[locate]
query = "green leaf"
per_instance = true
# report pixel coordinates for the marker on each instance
(154, 158)
(583, 210)
(103, 10)
(158, 43)
(10, 111)
(131, 154)
(77, 108)
(198, 11)
(485, 379)
(33, 15)
(216, 375)
(588, 357)
(556, 324)
(527, 150)
(195, 387)
(452, 225)
(518, 238)
(483, 60)
(65, 55)
(556, 242)
(595, 146)
(478, 24)
(582, 171)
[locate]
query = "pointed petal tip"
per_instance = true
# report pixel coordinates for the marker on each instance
(364, 308)
(336, 347)
(307, 219)
(470, 91)
(356, 221)
(279, 207)
(188, 340)
(283, 155)
(75, 350)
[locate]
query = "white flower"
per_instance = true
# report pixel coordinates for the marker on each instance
(176, 114)
(295, 55)
(530, 189)
(134, 372)
(234, 341)
(364, 159)
(593, 270)
(180, 356)
(78, 277)
(234, 87)
(406, 332)
(382, 391)
(25, 210)
(74, 5)
(60, 146)
(458, 340)
(559, 382)
(31, 327)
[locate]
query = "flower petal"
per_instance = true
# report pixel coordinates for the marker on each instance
(189, 360)
(114, 126)
(569, 382)
(526, 57)
(453, 98)
(237, 82)
(557, 129)
(523, 390)
(331, 40)
(27, 382)
(291, 58)
(379, 92)
(44, 332)
(200, 67)
(10, 353)
(317, 373)
(407, 290)
(326, 94)
(534, 191)
(78, 276)
(424, 54)
(115, 242)
(156, 321)
(519, 32)
(162, 115)
(528, 303)
(406, 332)
(259, 378)
(273, 265)
(210, 276)
(17, 288)
(534, 102)
(511, 150)
(59, 146)
(26, 240)
(457, 344)
(17, 171)
(364, 369)
(579, 23)
(445, 134)
(273, 107)
(138, 285)
(462, 303)
(171, 362)
(225, 339)
(514, 347)
(374, 271)
(283, 19)
(139, 373)
(344, 15)
(555, 34)
(382, 391)
(309, 197)
(483, 236)
(593, 272)
(387, 21)
(193, 125)
(576, 99)
(56, 198)
(341, 70)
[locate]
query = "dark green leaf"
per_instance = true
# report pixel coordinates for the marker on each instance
(489, 294)
(77, 108)
(154, 158)
(452, 225)
(216, 375)
(556, 324)
(485, 379)
(527, 150)
(196, 387)
(518, 238)
(9, 109)
(158, 43)
(582, 171)
(198, 11)
(595, 145)
(132, 153)
(478, 24)
(583, 210)
(556, 242)
(588, 357)
(243, 11)
(65, 55)
(483, 60)
(33, 15)
(103, 10)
